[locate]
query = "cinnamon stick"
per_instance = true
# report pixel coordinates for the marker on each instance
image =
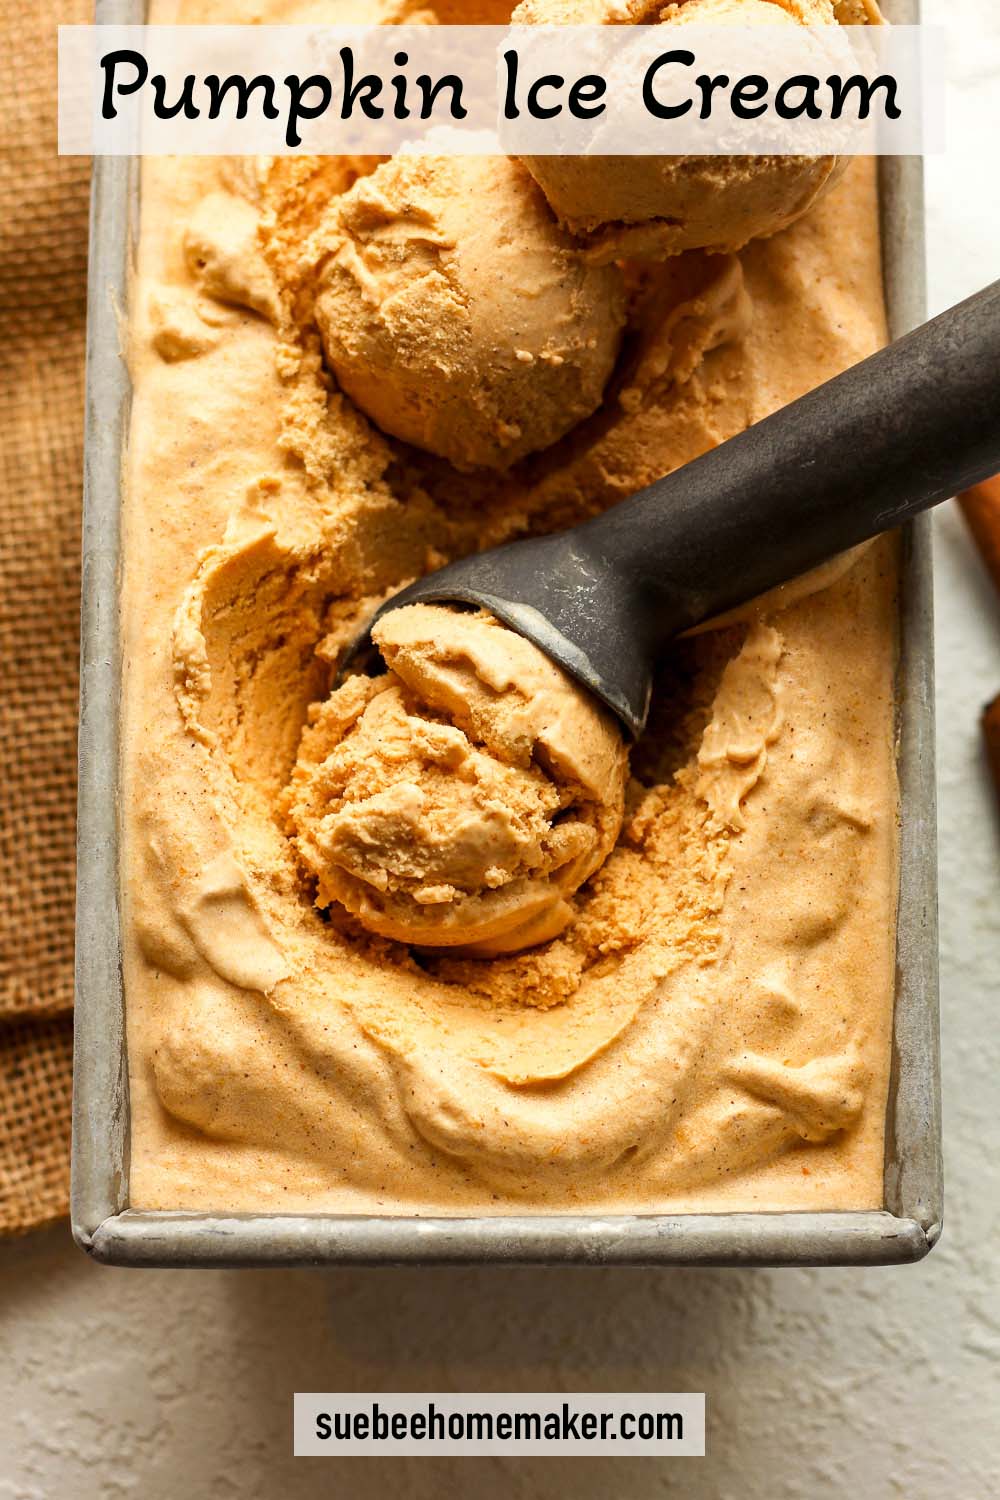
(981, 509)
(991, 734)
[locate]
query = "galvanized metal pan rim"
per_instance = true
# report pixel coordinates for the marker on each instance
(178, 1239)
(110, 1231)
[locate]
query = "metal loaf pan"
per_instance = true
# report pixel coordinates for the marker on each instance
(113, 1233)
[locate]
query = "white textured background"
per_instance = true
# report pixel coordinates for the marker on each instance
(875, 1383)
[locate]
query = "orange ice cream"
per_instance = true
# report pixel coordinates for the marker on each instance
(701, 1016)
(662, 205)
(458, 315)
(460, 799)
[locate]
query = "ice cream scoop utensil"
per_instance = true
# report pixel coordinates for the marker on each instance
(903, 430)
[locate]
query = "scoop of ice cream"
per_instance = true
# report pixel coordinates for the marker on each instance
(457, 314)
(661, 205)
(461, 799)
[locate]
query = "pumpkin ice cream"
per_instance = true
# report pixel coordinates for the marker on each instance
(667, 982)
(662, 205)
(458, 315)
(460, 799)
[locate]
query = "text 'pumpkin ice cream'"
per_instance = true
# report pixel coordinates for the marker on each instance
(457, 314)
(655, 206)
(459, 800)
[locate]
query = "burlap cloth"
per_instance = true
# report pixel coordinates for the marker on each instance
(43, 259)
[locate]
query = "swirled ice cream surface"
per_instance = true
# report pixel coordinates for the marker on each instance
(707, 1023)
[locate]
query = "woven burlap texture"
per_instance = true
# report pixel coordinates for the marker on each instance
(43, 258)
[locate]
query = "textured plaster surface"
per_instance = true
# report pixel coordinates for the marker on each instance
(876, 1384)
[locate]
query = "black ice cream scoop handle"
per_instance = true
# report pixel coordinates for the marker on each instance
(903, 430)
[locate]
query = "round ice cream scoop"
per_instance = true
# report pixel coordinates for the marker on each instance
(459, 800)
(457, 314)
(859, 455)
(655, 206)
